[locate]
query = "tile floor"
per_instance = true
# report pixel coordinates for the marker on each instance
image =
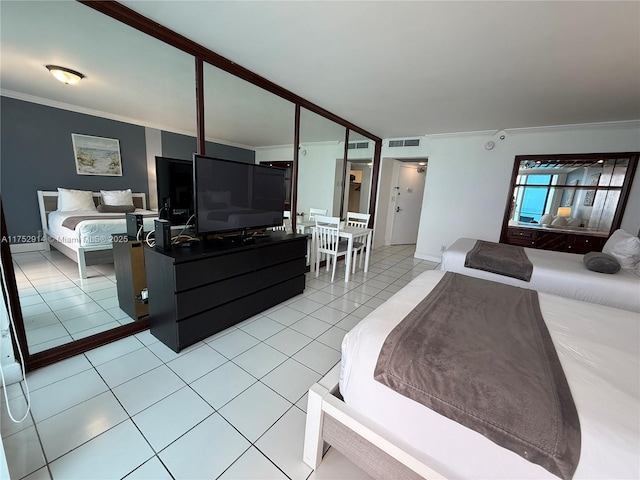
(230, 407)
(58, 306)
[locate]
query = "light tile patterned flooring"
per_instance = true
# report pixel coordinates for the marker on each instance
(58, 306)
(229, 407)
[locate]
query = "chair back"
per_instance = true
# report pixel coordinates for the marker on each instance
(316, 211)
(360, 220)
(327, 233)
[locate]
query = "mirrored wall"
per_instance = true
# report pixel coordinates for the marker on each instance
(140, 89)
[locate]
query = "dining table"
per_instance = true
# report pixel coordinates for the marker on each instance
(351, 234)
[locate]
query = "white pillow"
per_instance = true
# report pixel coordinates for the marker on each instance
(75, 200)
(116, 197)
(625, 247)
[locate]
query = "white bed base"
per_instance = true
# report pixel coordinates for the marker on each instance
(83, 256)
(331, 422)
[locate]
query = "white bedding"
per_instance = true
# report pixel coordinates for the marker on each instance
(559, 273)
(598, 347)
(92, 233)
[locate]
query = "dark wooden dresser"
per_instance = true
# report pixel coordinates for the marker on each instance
(550, 238)
(197, 291)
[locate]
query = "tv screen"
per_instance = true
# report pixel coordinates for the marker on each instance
(235, 196)
(174, 182)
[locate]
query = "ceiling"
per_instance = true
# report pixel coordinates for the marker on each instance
(394, 68)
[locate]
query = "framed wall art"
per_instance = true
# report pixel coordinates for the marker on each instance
(97, 155)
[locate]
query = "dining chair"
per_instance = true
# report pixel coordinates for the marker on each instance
(283, 228)
(316, 211)
(327, 241)
(358, 220)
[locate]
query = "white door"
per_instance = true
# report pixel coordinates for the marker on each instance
(408, 193)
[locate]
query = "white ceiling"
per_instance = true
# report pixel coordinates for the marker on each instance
(394, 68)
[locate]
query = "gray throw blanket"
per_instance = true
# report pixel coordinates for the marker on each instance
(479, 353)
(500, 258)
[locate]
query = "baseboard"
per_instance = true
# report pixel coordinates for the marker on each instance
(430, 258)
(28, 247)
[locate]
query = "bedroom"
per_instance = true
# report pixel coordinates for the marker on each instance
(484, 173)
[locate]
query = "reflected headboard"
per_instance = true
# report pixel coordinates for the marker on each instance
(48, 202)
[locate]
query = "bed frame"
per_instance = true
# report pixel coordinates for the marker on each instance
(330, 422)
(83, 256)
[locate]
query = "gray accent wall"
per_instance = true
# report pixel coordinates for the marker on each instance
(36, 153)
(179, 146)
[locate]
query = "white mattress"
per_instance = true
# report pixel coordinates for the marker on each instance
(599, 350)
(559, 273)
(92, 233)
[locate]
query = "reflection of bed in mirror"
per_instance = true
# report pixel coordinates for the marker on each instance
(559, 273)
(392, 436)
(87, 240)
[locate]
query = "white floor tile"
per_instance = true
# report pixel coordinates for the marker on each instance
(39, 321)
(262, 328)
(165, 354)
(18, 407)
(129, 366)
(283, 444)
(302, 403)
(234, 343)
(329, 315)
(108, 303)
(97, 329)
(33, 310)
(78, 311)
(255, 410)
(333, 338)
(253, 465)
(291, 379)
(87, 322)
(306, 305)
(204, 451)
(23, 452)
(57, 397)
(40, 474)
(67, 430)
(318, 357)
(146, 389)
(311, 326)
(348, 322)
(288, 341)
(46, 345)
(286, 315)
(197, 363)
(172, 417)
(113, 454)
(61, 294)
(260, 360)
(113, 350)
(223, 384)
(150, 470)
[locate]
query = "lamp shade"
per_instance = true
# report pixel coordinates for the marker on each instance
(65, 75)
(564, 211)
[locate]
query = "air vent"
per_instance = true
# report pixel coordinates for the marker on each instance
(353, 145)
(408, 142)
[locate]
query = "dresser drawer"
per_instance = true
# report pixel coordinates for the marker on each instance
(584, 244)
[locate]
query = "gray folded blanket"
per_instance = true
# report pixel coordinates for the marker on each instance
(500, 258)
(479, 353)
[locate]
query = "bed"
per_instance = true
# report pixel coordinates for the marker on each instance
(559, 273)
(391, 436)
(89, 243)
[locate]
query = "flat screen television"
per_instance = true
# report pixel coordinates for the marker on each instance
(235, 196)
(174, 182)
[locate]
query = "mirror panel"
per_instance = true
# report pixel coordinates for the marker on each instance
(153, 83)
(320, 164)
(359, 172)
(574, 194)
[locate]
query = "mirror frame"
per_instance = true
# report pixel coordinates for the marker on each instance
(569, 159)
(119, 12)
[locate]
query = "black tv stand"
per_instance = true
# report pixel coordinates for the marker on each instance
(196, 292)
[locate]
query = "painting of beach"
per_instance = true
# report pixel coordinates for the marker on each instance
(97, 155)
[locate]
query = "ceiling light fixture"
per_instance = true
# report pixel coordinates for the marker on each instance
(65, 75)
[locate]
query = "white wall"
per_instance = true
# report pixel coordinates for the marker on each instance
(467, 186)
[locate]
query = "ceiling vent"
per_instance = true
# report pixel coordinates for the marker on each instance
(353, 145)
(407, 142)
